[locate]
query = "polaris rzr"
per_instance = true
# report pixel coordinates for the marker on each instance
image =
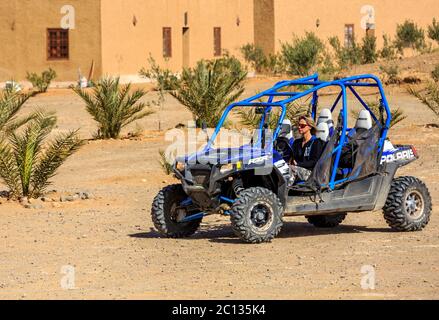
(355, 173)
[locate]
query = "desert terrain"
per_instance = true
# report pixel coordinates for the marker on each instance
(116, 253)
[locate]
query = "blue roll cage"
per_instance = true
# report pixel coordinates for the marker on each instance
(345, 84)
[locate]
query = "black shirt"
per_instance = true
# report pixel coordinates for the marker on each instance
(308, 155)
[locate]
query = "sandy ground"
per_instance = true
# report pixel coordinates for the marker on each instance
(111, 243)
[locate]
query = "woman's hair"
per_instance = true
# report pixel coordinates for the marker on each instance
(310, 122)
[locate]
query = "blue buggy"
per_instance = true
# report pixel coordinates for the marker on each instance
(250, 183)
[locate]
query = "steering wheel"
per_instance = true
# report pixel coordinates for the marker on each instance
(283, 147)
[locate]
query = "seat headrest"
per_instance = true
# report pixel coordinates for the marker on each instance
(286, 129)
(323, 131)
(364, 120)
(326, 117)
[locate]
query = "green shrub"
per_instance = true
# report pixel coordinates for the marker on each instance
(275, 64)
(433, 31)
(429, 96)
(435, 73)
(346, 56)
(113, 107)
(210, 87)
(409, 35)
(27, 162)
(369, 49)
(41, 82)
(303, 54)
(10, 103)
(255, 56)
(165, 78)
(391, 72)
(388, 51)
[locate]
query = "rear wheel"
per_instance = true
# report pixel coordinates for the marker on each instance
(256, 216)
(326, 221)
(408, 206)
(167, 211)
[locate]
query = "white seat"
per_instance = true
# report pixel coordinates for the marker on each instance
(286, 130)
(326, 117)
(323, 131)
(364, 121)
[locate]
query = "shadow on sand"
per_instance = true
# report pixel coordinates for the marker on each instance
(224, 233)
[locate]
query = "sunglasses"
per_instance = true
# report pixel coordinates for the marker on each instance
(302, 126)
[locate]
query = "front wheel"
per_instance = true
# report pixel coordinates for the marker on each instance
(167, 211)
(408, 206)
(256, 216)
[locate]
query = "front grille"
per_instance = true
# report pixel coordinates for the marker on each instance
(201, 177)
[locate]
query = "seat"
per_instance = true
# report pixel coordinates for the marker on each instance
(364, 122)
(325, 116)
(323, 131)
(286, 130)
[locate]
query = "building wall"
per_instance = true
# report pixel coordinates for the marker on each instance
(126, 46)
(298, 16)
(23, 34)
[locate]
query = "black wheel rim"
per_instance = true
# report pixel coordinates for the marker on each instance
(261, 215)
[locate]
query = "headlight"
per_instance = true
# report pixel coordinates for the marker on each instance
(180, 166)
(226, 168)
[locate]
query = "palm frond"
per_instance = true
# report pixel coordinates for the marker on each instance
(113, 107)
(54, 156)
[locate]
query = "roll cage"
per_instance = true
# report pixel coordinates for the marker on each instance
(314, 85)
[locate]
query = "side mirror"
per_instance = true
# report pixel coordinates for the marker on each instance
(204, 126)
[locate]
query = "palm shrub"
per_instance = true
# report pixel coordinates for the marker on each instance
(429, 96)
(113, 107)
(409, 35)
(210, 87)
(28, 161)
(397, 114)
(41, 82)
(10, 103)
(164, 163)
(165, 78)
(303, 54)
(433, 31)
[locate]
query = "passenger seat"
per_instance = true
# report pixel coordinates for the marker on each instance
(364, 122)
(323, 131)
(326, 117)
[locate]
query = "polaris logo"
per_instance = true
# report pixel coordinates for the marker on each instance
(259, 160)
(401, 155)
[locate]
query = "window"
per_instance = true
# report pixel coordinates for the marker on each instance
(349, 35)
(167, 42)
(57, 44)
(217, 50)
